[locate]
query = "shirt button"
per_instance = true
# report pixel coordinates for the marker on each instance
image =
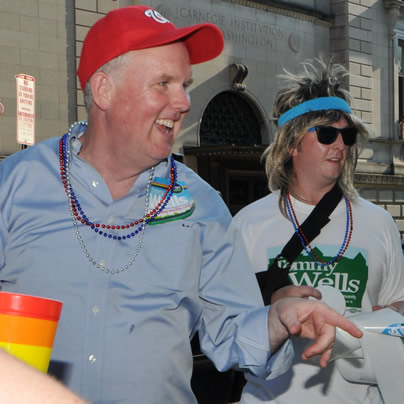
(91, 358)
(95, 310)
(95, 184)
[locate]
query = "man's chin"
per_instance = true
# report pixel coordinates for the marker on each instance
(161, 157)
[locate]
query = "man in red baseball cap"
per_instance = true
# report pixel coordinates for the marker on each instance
(140, 250)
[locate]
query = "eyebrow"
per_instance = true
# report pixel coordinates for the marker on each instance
(166, 77)
(189, 82)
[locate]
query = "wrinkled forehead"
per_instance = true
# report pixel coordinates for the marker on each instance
(171, 60)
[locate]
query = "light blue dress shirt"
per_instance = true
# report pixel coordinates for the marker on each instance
(124, 338)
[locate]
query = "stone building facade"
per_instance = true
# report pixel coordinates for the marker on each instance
(230, 123)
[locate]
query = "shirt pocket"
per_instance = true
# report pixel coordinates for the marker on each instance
(174, 256)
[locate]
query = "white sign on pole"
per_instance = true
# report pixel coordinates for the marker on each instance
(25, 109)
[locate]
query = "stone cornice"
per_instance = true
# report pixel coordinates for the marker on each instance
(393, 3)
(298, 13)
(396, 9)
(378, 179)
(384, 140)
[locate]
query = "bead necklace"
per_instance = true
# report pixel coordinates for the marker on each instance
(76, 210)
(303, 239)
(100, 227)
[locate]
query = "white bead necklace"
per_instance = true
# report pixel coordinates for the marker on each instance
(91, 259)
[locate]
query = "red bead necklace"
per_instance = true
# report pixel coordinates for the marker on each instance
(307, 246)
(100, 228)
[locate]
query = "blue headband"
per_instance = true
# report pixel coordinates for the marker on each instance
(317, 104)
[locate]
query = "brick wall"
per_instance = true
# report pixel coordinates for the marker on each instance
(87, 12)
(36, 38)
(391, 200)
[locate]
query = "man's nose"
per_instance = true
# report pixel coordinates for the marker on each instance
(181, 100)
(339, 142)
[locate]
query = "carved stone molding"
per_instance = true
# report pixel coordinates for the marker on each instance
(379, 179)
(396, 8)
(238, 73)
(393, 3)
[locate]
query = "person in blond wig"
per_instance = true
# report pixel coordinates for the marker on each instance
(324, 81)
(358, 251)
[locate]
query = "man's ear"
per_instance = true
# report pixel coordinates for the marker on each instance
(293, 151)
(101, 84)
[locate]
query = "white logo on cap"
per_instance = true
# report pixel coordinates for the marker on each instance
(156, 16)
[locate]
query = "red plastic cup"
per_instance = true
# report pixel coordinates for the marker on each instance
(28, 327)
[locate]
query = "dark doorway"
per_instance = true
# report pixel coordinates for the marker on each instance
(229, 156)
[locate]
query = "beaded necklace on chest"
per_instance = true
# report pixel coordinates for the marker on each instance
(305, 243)
(135, 228)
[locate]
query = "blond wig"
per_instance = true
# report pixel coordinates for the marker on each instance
(318, 79)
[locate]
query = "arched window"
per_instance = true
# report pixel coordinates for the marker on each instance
(229, 120)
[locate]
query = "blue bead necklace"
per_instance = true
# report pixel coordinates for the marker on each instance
(100, 228)
(303, 239)
(137, 227)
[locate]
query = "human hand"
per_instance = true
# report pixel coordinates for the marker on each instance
(295, 291)
(383, 306)
(396, 306)
(307, 319)
(21, 383)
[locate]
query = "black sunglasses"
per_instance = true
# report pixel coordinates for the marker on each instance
(329, 134)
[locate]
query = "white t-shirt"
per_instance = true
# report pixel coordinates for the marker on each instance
(370, 272)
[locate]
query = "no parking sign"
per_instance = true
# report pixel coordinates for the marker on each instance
(25, 109)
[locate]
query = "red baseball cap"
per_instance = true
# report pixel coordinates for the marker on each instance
(140, 27)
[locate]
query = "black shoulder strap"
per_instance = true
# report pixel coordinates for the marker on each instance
(275, 276)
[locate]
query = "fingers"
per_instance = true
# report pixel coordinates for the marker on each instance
(316, 327)
(296, 291)
(378, 307)
(337, 320)
(308, 319)
(322, 346)
(323, 322)
(310, 316)
(325, 355)
(324, 314)
(384, 306)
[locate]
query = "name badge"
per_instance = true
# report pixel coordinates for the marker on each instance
(180, 205)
